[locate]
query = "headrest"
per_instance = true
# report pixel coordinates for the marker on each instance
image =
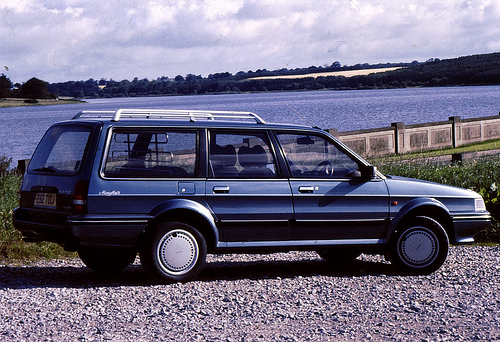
(252, 156)
(223, 155)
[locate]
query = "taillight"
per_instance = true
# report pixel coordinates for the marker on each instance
(80, 197)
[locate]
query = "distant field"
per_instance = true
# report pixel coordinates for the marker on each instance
(346, 73)
(16, 102)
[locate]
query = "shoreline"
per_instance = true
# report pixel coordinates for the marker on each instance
(21, 102)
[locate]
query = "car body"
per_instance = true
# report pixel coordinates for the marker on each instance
(176, 185)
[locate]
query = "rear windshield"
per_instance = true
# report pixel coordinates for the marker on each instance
(61, 150)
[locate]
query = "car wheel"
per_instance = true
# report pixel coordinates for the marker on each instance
(338, 256)
(174, 252)
(421, 247)
(106, 260)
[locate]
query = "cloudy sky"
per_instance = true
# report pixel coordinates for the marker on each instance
(62, 40)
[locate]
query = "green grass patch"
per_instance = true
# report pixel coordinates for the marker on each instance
(12, 247)
(476, 147)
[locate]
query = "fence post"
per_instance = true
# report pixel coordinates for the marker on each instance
(399, 142)
(455, 130)
(334, 132)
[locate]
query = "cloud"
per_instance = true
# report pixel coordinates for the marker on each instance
(60, 40)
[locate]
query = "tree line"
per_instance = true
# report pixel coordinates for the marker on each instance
(470, 70)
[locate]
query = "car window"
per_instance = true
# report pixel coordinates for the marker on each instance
(315, 156)
(61, 150)
(241, 155)
(133, 153)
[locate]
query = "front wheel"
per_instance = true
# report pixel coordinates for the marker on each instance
(174, 252)
(421, 247)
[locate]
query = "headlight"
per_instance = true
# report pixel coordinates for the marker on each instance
(479, 205)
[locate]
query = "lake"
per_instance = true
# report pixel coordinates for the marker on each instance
(22, 127)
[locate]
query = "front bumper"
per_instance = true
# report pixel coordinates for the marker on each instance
(468, 225)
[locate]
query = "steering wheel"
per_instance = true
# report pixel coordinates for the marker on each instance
(325, 169)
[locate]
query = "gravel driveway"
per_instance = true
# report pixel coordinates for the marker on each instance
(275, 297)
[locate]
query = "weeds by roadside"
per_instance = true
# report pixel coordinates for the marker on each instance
(11, 245)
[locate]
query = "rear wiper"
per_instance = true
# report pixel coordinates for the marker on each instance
(45, 169)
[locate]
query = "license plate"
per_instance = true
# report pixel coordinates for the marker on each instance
(45, 200)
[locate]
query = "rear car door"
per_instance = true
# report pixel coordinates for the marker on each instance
(143, 168)
(250, 199)
(331, 199)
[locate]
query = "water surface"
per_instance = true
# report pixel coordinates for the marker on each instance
(22, 127)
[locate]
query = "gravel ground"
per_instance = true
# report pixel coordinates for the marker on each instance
(275, 297)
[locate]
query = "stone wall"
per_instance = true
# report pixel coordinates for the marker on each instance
(401, 138)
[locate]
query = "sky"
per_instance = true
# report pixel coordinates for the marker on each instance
(71, 40)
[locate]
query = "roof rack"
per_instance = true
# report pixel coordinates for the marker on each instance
(192, 115)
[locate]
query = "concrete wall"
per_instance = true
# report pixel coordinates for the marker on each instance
(401, 138)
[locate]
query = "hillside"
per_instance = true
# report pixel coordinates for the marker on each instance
(470, 70)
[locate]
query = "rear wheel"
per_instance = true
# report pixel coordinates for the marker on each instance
(421, 247)
(106, 260)
(174, 251)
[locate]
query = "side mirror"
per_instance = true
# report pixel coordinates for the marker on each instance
(368, 172)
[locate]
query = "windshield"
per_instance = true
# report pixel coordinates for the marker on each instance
(61, 150)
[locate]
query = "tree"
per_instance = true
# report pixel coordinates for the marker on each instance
(35, 89)
(336, 65)
(5, 86)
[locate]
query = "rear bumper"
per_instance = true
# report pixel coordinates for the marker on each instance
(37, 225)
(81, 230)
(468, 225)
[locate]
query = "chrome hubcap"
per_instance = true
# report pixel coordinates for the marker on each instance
(418, 247)
(177, 252)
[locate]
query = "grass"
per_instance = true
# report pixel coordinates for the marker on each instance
(479, 175)
(12, 248)
(476, 147)
(18, 102)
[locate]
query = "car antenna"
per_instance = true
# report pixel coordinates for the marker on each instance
(297, 112)
(302, 116)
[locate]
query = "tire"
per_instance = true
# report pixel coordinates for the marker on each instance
(421, 247)
(341, 257)
(106, 260)
(174, 252)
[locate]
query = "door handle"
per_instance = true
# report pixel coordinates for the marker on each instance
(306, 189)
(220, 189)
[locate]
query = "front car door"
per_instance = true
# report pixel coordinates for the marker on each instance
(331, 199)
(245, 190)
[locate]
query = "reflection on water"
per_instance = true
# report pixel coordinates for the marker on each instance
(22, 127)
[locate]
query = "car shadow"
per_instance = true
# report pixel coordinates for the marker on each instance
(19, 277)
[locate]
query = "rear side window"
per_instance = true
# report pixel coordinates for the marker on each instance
(157, 154)
(241, 155)
(61, 150)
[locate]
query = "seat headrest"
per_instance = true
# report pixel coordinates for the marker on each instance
(252, 156)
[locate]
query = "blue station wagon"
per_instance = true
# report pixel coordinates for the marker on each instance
(174, 185)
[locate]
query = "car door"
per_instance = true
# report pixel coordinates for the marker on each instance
(332, 201)
(245, 191)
